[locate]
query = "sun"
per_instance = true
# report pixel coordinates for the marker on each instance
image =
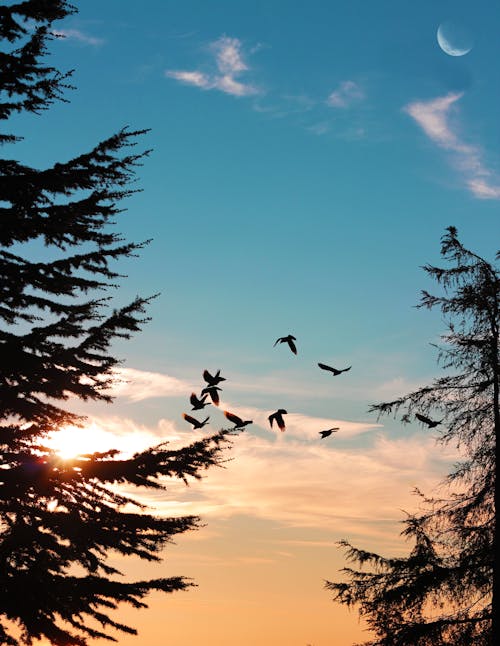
(72, 441)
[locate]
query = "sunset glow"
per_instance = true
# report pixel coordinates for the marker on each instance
(72, 441)
(254, 244)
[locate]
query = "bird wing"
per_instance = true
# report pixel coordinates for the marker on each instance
(190, 419)
(194, 400)
(214, 395)
(323, 366)
(271, 419)
(207, 377)
(325, 433)
(423, 418)
(346, 369)
(292, 345)
(217, 378)
(280, 340)
(237, 421)
(281, 423)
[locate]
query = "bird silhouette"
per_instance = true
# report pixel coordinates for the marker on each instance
(334, 371)
(430, 422)
(213, 380)
(328, 432)
(196, 423)
(198, 404)
(212, 391)
(287, 339)
(278, 418)
(237, 421)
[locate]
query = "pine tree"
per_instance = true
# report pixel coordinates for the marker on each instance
(59, 520)
(446, 591)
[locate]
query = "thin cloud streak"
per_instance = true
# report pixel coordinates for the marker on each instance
(315, 485)
(138, 385)
(347, 93)
(299, 425)
(230, 64)
(294, 478)
(434, 117)
(76, 34)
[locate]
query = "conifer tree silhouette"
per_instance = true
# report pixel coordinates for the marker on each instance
(59, 517)
(447, 590)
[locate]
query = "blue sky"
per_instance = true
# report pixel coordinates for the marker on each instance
(307, 158)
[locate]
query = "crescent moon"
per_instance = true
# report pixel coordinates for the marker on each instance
(445, 35)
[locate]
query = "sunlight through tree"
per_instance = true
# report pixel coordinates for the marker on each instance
(60, 519)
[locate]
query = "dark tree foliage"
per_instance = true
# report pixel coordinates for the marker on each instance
(60, 520)
(446, 590)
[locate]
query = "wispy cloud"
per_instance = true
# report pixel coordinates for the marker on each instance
(347, 93)
(80, 36)
(229, 63)
(292, 478)
(299, 425)
(328, 485)
(140, 384)
(192, 78)
(435, 119)
(320, 128)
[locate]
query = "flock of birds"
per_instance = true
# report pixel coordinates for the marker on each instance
(212, 389)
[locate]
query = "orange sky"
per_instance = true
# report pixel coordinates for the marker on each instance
(272, 517)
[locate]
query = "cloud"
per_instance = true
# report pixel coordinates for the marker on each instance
(435, 119)
(140, 384)
(300, 425)
(334, 486)
(228, 55)
(76, 34)
(345, 95)
(192, 78)
(292, 478)
(353, 483)
(320, 128)
(229, 62)
(481, 189)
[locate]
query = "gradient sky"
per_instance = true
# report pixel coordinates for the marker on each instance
(307, 158)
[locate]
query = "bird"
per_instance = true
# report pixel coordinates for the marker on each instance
(213, 380)
(328, 432)
(430, 422)
(278, 418)
(237, 421)
(287, 339)
(212, 391)
(198, 404)
(192, 420)
(334, 371)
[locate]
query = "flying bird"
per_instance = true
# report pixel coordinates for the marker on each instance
(213, 380)
(430, 422)
(192, 420)
(278, 418)
(237, 421)
(328, 432)
(212, 391)
(287, 339)
(198, 404)
(334, 371)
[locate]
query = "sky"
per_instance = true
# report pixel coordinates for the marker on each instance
(306, 160)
